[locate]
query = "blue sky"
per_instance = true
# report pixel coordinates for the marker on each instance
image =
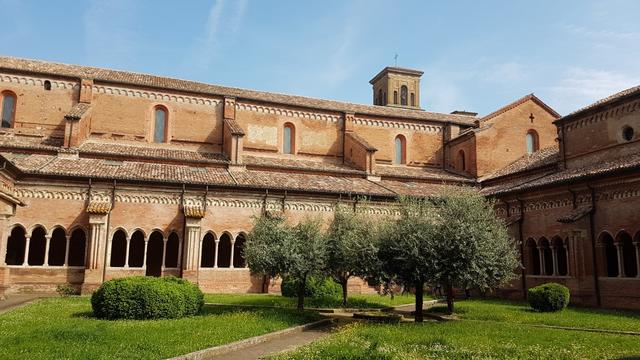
(476, 55)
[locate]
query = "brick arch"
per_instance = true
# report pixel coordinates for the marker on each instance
(172, 256)
(224, 249)
(609, 252)
(208, 250)
(37, 245)
(624, 240)
(238, 250)
(118, 250)
(547, 256)
(77, 246)
(532, 257)
(16, 245)
(562, 255)
(57, 246)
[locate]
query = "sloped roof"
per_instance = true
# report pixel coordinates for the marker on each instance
(77, 111)
(538, 159)
(518, 102)
(602, 102)
(166, 83)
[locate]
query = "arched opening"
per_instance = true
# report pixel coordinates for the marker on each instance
(160, 124)
(136, 249)
(173, 249)
(610, 254)
(15, 246)
(78, 248)
(47, 85)
(8, 108)
(547, 256)
(238, 252)
(404, 95)
(400, 150)
(224, 251)
(533, 258)
(289, 139)
(37, 246)
(118, 249)
(462, 162)
(561, 256)
(208, 255)
(155, 249)
(629, 261)
(57, 247)
(532, 142)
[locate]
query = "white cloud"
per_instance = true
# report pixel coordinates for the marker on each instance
(580, 87)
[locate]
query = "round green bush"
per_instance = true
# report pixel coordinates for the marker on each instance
(549, 297)
(141, 297)
(316, 287)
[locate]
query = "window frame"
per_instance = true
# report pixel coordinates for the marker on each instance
(155, 123)
(402, 158)
(535, 141)
(292, 138)
(3, 96)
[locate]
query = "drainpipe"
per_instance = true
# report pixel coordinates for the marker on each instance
(184, 233)
(524, 277)
(596, 281)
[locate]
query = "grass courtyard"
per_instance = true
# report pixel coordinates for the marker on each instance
(365, 301)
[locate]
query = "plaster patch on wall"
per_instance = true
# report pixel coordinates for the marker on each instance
(263, 134)
(315, 139)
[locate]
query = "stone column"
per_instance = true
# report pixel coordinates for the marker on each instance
(554, 251)
(97, 245)
(126, 252)
(179, 263)
(215, 254)
(192, 250)
(620, 259)
(27, 240)
(541, 258)
(164, 252)
(233, 242)
(66, 250)
(566, 254)
(47, 245)
(637, 244)
(144, 253)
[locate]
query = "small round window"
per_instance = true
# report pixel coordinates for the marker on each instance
(627, 133)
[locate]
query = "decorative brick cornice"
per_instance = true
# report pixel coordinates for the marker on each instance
(35, 81)
(287, 112)
(603, 115)
(394, 124)
(156, 96)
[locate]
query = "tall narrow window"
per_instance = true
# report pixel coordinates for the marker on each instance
(160, 128)
(401, 148)
(532, 142)
(288, 143)
(413, 99)
(8, 109)
(395, 97)
(404, 94)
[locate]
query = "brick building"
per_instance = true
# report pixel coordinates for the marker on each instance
(110, 173)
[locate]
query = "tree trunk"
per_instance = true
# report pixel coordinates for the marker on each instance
(344, 291)
(419, 301)
(449, 297)
(301, 285)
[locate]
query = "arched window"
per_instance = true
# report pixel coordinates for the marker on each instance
(404, 95)
(160, 125)
(173, 249)
(136, 249)
(413, 99)
(533, 258)
(47, 85)
(224, 251)
(610, 254)
(289, 139)
(629, 263)
(208, 255)
(8, 109)
(400, 150)
(562, 258)
(77, 248)
(462, 162)
(37, 246)
(155, 250)
(118, 249)
(395, 97)
(547, 256)
(238, 252)
(57, 247)
(16, 247)
(532, 142)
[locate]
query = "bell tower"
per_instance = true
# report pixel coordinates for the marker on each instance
(397, 87)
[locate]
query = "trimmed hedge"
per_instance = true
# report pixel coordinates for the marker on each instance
(549, 297)
(142, 297)
(316, 287)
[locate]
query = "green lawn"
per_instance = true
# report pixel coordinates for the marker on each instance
(369, 301)
(465, 340)
(521, 313)
(60, 328)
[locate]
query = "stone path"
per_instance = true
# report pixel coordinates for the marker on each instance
(13, 301)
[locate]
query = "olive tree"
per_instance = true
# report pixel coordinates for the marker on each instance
(277, 249)
(350, 246)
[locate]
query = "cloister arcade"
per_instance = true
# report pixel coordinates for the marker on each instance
(621, 254)
(547, 257)
(38, 246)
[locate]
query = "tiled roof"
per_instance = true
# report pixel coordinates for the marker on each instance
(518, 102)
(359, 139)
(425, 173)
(137, 79)
(609, 99)
(148, 152)
(626, 163)
(99, 207)
(234, 127)
(538, 159)
(27, 139)
(77, 111)
(575, 214)
(252, 161)
(409, 188)
(309, 183)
